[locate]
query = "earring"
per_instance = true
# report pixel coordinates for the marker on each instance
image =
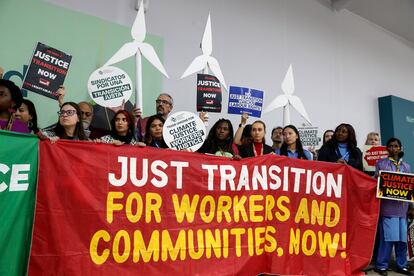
(30, 124)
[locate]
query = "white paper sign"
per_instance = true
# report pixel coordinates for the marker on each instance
(184, 130)
(110, 86)
(309, 136)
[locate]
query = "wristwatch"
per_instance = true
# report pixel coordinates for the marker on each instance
(240, 125)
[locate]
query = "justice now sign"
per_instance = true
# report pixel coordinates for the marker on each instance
(150, 211)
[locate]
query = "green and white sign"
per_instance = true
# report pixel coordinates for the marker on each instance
(18, 176)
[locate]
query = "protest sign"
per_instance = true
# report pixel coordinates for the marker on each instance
(161, 212)
(309, 136)
(110, 86)
(370, 156)
(208, 93)
(184, 130)
(395, 186)
(243, 99)
(47, 71)
(18, 176)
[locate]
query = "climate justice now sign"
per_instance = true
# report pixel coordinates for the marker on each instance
(150, 211)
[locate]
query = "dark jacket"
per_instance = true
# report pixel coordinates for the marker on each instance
(247, 150)
(328, 153)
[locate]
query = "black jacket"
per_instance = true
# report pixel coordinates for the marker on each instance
(247, 150)
(328, 153)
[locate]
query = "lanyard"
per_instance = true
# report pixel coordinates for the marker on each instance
(254, 150)
(345, 156)
(396, 163)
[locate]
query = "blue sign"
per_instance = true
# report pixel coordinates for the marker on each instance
(242, 99)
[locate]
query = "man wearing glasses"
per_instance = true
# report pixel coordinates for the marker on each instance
(91, 132)
(163, 106)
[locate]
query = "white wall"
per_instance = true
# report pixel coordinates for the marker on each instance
(342, 63)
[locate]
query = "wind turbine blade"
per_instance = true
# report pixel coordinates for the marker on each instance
(288, 84)
(298, 105)
(139, 29)
(127, 50)
(286, 115)
(279, 101)
(196, 65)
(215, 68)
(206, 42)
(149, 53)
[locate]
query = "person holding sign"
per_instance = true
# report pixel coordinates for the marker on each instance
(342, 148)
(220, 140)
(373, 139)
(257, 147)
(122, 130)
(292, 146)
(69, 125)
(153, 132)
(243, 133)
(392, 222)
(10, 99)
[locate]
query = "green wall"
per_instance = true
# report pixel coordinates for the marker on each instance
(397, 120)
(90, 40)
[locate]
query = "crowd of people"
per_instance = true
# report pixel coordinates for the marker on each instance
(75, 122)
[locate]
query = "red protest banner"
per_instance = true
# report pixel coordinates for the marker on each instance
(105, 210)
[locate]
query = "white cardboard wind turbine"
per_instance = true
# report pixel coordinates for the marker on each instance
(138, 47)
(287, 99)
(206, 61)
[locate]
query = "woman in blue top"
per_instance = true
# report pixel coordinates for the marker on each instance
(292, 146)
(342, 148)
(392, 222)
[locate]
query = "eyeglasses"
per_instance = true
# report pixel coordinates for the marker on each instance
(87, 114)
(164, 102)
(68, 113)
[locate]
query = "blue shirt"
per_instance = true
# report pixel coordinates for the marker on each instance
(294, 155)
(343, 151)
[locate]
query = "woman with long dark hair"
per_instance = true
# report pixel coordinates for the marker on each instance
(292, 146)
(69, 125)
(27, 114)
(220, 140)
(153, 132)
(122, 130)
(392, 222)
(327, 135)
(342, 148)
